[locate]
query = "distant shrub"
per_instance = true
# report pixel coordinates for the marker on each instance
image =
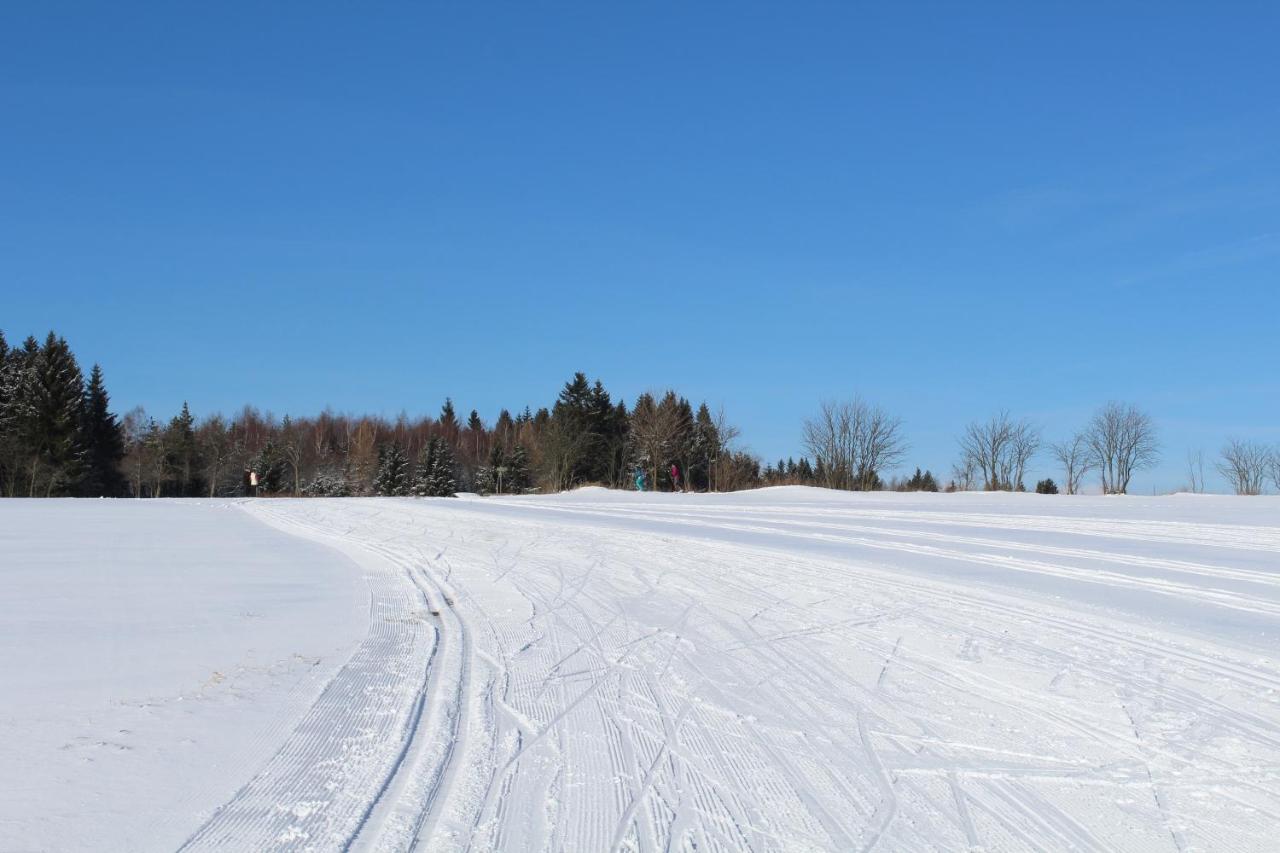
(1046, 487)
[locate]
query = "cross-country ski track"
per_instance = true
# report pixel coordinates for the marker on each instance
(788, 669)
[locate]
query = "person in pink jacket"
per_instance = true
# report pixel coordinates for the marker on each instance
(675, 478)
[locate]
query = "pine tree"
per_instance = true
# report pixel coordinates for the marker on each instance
(102, 440)
(393, 472)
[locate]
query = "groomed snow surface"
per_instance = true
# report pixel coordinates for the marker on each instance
(787, 669)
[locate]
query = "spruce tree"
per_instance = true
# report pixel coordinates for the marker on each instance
(155, 460)
(489, 479)
(393, 472)
(449, 427)
(504, 428)
(607, 432)
(184, 453)
(328, 484)
(575, 417)
(704, 449)
(426, 465)
(269, 463)
(102, 440)
(54, 394)
(443, 482)
(9, 448)
(645, 445)
(476, 427)
(682, 452)
(517, 479)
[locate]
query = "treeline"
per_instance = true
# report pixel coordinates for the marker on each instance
(58, 437)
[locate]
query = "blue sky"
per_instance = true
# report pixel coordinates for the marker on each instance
(948, 209)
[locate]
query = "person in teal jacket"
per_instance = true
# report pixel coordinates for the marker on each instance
(639, 479)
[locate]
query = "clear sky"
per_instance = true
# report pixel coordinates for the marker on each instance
(948, 208)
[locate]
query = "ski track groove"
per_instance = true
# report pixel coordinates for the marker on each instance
(562, 674)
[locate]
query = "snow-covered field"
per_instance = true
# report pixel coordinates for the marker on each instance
(786, 669)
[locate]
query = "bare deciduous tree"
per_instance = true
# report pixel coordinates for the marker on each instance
(853, 442)
(1025, 443)
(1195, 470)
(135, 424)
(1073, 456)
(561, 447)
(655, 429)
(291, 446)
(963, 474)
(999, 450)
(726, 438)
(1246, 465)
(1122, 440)
(216, 447)
(826, 439)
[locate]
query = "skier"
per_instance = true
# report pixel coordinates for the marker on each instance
(675, 478)
(639, 479)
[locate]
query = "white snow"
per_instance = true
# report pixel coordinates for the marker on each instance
(151, 655)
(787, 669)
